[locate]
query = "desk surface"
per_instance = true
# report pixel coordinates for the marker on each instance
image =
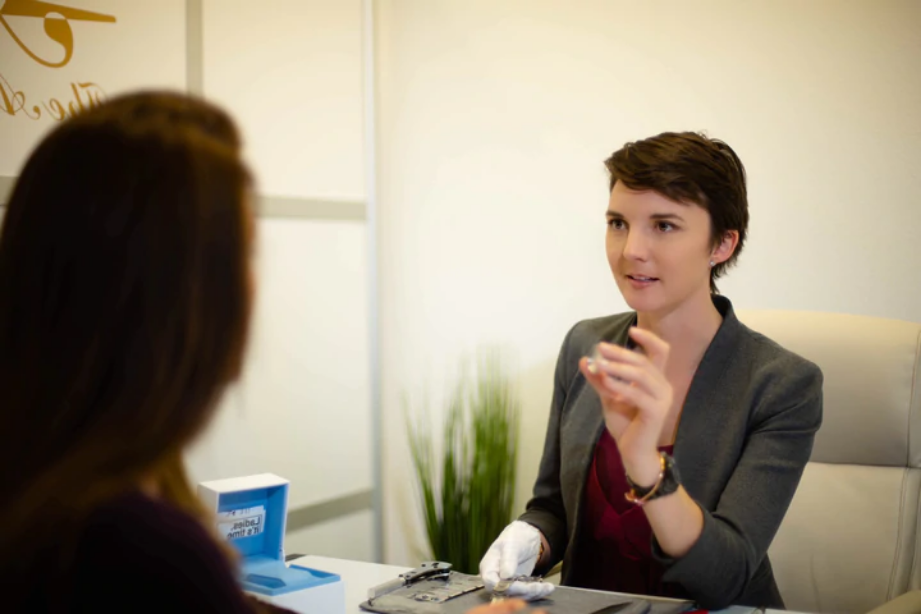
(359, 576)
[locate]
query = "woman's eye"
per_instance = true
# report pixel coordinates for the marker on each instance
(616, 224)
(665, 226)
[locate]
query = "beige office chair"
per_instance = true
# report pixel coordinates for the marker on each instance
(850, 541)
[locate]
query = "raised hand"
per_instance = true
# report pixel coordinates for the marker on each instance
(636, 398)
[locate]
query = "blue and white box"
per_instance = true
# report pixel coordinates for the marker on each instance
(251, 514)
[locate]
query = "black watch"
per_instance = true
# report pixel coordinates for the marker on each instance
(668, 482)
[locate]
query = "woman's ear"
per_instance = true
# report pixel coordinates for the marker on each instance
(726, 247)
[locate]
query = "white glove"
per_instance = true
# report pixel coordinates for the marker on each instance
(514, 553)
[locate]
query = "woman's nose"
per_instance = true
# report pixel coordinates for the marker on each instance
(635, 247)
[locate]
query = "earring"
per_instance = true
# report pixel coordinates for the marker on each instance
(712, 264)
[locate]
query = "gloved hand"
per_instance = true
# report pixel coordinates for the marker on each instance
(514, 553)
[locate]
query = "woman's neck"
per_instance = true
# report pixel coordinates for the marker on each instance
(688, 329)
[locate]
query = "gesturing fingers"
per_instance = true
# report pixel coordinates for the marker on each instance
(648, 380)
(593, 374)
(654, 408)
(630, 365)
(629, 377)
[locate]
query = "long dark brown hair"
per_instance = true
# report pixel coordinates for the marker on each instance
(125, 297)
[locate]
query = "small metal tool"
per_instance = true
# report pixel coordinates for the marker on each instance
(426, 571)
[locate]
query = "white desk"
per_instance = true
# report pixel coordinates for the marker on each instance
(359, 576)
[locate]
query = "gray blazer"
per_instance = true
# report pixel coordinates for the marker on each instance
(745, 435)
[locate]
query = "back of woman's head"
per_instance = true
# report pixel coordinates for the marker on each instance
(124, 302)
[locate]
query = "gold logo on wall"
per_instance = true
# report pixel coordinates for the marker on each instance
(56, 21)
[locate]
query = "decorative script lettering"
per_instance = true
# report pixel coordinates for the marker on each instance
(56, 21)
(83, 95)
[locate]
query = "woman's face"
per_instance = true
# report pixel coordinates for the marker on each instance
(659, 250)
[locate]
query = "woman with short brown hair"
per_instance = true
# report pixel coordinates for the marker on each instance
(677, 435)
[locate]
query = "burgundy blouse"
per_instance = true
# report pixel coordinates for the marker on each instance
(617, 538)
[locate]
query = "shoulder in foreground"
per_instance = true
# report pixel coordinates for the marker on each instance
(153, 553)
(134, 523)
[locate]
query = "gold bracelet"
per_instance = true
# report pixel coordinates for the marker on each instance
(631, 495)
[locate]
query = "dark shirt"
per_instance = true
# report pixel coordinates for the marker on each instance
(137, 554)
(617, 541)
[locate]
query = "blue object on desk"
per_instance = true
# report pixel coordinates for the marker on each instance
(259, 537)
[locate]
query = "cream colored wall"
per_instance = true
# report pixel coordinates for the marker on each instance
(302, 408)
(494, 119)
(290, 72)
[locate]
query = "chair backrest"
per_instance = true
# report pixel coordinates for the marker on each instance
(850, 539)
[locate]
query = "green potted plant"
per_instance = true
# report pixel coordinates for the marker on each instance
(467, 483)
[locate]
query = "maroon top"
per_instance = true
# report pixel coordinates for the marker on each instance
(617, 538)
(137, 555)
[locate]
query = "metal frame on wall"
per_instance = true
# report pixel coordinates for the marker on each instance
(370, 70)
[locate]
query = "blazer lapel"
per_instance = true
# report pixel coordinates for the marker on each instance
(706, 413)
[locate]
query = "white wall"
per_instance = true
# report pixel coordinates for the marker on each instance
(494, 121)
(302, 410)
(290, 72)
